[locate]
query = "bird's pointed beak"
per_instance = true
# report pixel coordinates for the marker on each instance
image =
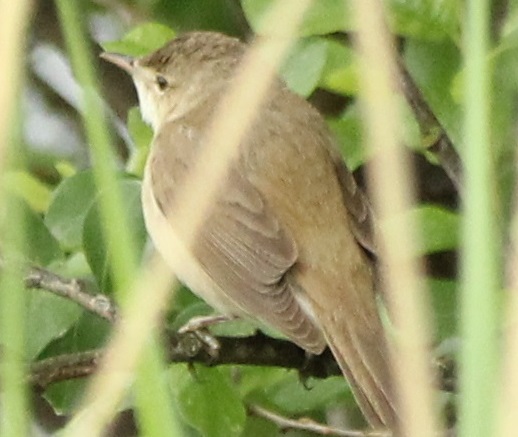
(122, 61)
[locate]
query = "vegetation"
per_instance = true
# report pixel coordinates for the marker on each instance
(72, 225)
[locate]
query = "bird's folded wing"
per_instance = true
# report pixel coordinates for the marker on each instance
(358, 207)
(245, 250)
(241, 244)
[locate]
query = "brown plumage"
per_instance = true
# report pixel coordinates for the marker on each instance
(285, 239)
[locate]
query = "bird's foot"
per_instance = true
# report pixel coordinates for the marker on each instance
(199, 327)
(203, 322)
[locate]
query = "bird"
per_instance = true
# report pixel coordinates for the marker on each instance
(288, 240)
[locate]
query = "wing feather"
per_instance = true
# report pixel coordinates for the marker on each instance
(241, 246)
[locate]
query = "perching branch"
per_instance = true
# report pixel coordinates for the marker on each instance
(189, 347)
(256, 350)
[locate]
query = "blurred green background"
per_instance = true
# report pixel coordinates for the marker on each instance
(57, 191)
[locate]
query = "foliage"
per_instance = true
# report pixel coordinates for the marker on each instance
(65, 229)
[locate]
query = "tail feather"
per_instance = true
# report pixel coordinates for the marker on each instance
(350, 322)
(365, 366)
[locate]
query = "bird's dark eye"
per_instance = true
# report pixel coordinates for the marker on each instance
(161, 82)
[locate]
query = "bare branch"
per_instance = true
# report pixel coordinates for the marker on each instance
(256, 350)
(72, 289)
(188, 347)
(63, 367)
(305, 424)
(442, 146)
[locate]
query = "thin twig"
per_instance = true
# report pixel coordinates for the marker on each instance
(72, 289)
(63, 368)
(442, 146)
(306, 424)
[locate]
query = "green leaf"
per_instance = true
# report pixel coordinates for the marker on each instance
(425, 19)
(208, 401)
(341, 71)
(255, 382)
(140, 132)
(509, 35)
(439, 228)
(349, 132)
(141, 40)
(88, 333)
(74, 266)
(48, 317)
(444, 299)
(304, 65)
(184, 298)
(285, 390)
(65, 169)
(64, 396)
(411, 133)
(216, 15)
(323, 17)
(40, 246)
(259, 427)
(95, 248)
(28, 187)
(142, 135)
(434, 65)
(70, 203)
(292, 397)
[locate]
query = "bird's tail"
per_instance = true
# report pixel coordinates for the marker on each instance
(353, 330)
(362, 357)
